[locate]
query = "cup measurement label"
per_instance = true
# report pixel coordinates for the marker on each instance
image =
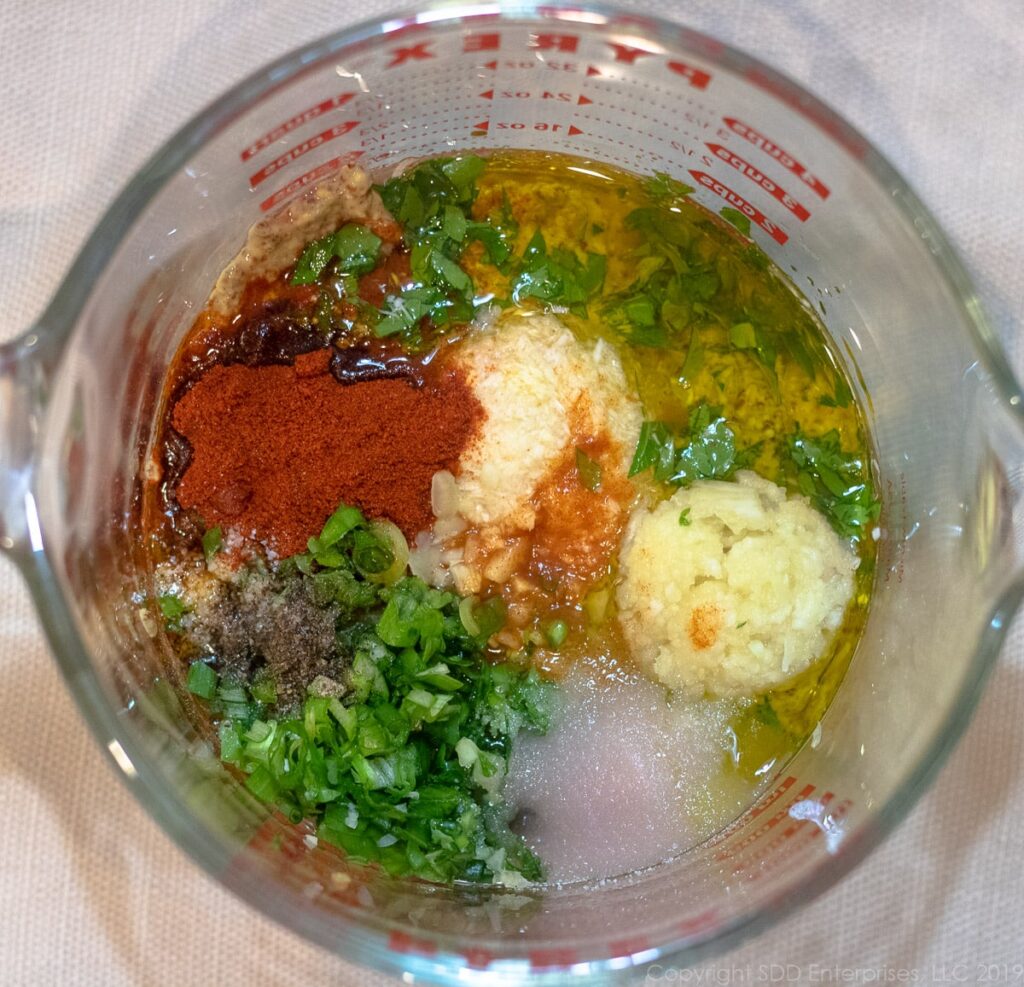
(617, 99)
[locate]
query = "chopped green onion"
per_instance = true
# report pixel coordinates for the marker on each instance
(172, 608)
(202, 680)
(466, 615)
(556, 633)
(211, 542)
(264, 690)
(490, 617)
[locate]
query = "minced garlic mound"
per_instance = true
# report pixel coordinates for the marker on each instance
(740, 598)
(541, 388)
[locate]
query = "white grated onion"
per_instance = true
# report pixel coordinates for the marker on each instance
(449, 527)
(444, 495)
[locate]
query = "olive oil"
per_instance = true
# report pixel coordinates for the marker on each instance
(746, 342)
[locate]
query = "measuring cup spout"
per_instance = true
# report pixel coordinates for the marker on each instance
(24, 383)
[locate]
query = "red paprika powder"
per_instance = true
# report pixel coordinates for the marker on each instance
(275, 449)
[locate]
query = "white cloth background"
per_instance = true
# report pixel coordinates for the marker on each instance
(91, 892)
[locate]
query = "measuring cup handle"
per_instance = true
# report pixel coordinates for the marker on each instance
(26, 366)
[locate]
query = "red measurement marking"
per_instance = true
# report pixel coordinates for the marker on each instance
(591, 70)
(699, 923)
(697, 78)
(492, 65)
(759, 178)
(478, 959)
(583, 101)
(752, 813)
(627, 53)
(296, 121)
(792, 842)
(629, 947)
(293, 153)
(402, 942)
(410, 53)
(552, 959)
(738, 202)
(483, 126)
(528, 94)
(482, 42)
(553, 128)
(314, 175)
(554, 42)
(772, 149)
(766, 803)
(734, 849)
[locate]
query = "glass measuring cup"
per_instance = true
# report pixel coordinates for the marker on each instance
(99, 392)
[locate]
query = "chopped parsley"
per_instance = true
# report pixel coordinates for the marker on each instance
(434, 202)
(557, 276)
(836, 482)
(588, 470)
(736, 218)
(708, 453)
(665, 188)
(355, 247)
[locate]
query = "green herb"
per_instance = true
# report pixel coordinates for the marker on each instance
(663, 187)
(202, 680)
(355, 247)
(490, 617)
(588, 470)
(172, 608)
(672, 284)
(743, 336)
(765, 713)
(557, 276)
(836, 482)
(403, 773)
(655, 447)
(211, 542)
(404, 769)
(556, 633)
(371, 555)
(405, 311)
(433, 202)
(740, 220)
(841, 397)
(684, 518)
(694, 362)
(708, 454)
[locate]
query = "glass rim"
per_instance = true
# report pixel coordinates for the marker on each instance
(365, 944)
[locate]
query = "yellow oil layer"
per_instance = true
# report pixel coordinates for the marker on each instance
(583, 206)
